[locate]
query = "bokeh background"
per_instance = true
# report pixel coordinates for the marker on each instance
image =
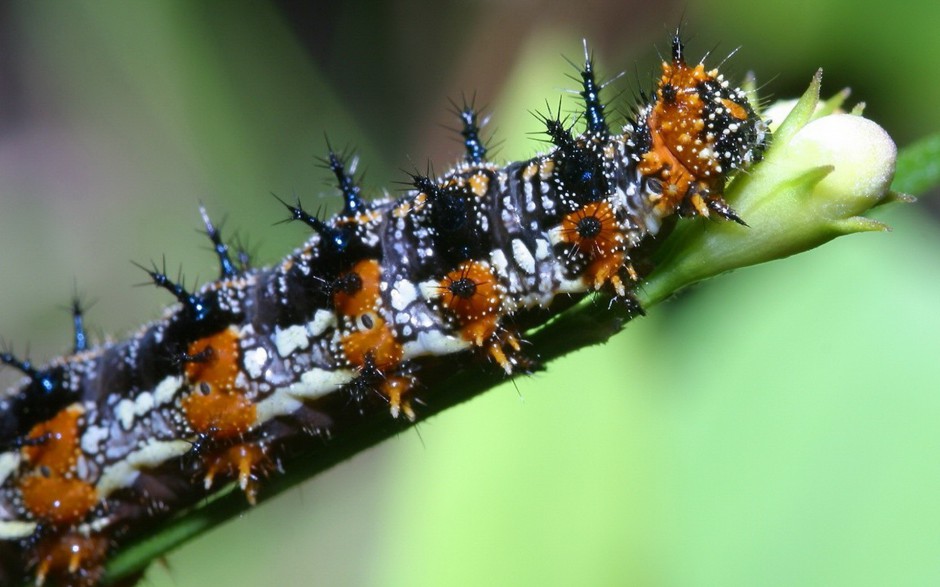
(778, 426)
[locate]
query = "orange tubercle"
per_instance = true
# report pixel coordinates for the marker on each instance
(365, 297)
(607, 269)
(376, 341)
(57, 439)
(220, 414)
(496, 349)
(242, 460)
(471, 292)
(57, 500)
(75, 558)
(220, 367)
(357, 300)
(216, 406)
(593, 229)
(51, 492)
(396, 390)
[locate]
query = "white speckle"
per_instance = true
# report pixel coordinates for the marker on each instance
(166, 390)
(542, 249)
(125, 413)
(92, 438)
(290, 339)
(321, 321)
(498, 259)
(403, 294)
(143, 404)
(9, 461)
(81, 467)
(402, 317)
(430, 290)
(523, 256)
(254, 362)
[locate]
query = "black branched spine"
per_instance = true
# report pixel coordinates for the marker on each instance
(591, 90)
(353, 203)
(226, 266)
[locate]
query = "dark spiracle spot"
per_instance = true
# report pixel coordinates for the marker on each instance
(463, 288)
(367, 322)
(589, 227)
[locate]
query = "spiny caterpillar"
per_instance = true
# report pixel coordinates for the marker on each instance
(101, 442)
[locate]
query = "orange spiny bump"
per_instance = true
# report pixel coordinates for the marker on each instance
(220, 414)
(56, 447)
(396, 389)
(73, 558)
(51, 491)
(243, 461)
(497, 349)
(220, 367)
(593, 230)
(57, 500)
(216, 406)
(471, 292)
(358, 290)
(372, 338)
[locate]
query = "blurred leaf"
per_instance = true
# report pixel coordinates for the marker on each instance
(918, 166)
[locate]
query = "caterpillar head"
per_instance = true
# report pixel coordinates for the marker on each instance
(695, 131)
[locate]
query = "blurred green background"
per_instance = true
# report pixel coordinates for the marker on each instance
(778, 426)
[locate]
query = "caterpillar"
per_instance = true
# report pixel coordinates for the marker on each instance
(99, 443)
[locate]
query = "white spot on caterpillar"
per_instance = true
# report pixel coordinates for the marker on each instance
(523, 256)
(542, 249)
(124, 472)
(9, 461)
(434, 342)
(125, 413)
(127, 410)
(290, 339)
(14, 529)
(255, 360)
(92, 438)
(430, 290)
(166, 390)
(498, 259)
(321, 321)
(403, 294)
(313, 384)
(143, 404)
